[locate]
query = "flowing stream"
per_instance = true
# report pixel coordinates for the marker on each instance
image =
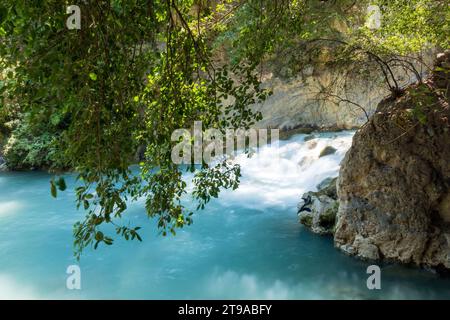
(247, 244)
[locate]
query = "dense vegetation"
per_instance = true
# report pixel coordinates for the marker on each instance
(89, 99)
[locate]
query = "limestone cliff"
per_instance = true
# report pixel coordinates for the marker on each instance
(325, 98)
(394, 183)
(295, 103)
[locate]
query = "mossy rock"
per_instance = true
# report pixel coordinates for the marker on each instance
(327, 220)
(327, 188)
(328, 150)
(306, 220)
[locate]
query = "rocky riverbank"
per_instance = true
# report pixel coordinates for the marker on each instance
(393, 190)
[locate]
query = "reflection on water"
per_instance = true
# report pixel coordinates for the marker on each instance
(246, 245)
(9, 207)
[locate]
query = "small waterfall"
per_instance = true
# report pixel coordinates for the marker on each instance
(279, 177)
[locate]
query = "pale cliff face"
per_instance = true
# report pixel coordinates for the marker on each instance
(297, 102)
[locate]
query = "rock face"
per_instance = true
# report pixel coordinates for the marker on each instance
(295, 102)
(394, 183)
(317, 210)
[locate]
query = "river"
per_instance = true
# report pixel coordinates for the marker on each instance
(247, 244)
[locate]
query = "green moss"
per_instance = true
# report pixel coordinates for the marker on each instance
(327, 151)
(329, 190)
(328, 219)
(306, 220)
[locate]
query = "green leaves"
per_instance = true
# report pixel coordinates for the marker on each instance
(208, 182)
(99, 236)
(86, 99)
(59, 184)
(129, 233)
(413, 25)
(53, 190)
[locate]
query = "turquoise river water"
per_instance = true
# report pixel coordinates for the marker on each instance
(247, 244)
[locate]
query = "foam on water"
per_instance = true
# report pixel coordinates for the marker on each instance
(277, 176)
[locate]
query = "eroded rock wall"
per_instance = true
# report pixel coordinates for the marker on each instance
(298, 99)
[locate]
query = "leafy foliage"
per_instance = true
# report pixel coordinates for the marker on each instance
(33, 147)
(134, 73)
(139, 69)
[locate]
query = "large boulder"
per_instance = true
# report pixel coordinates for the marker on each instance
(394, 183)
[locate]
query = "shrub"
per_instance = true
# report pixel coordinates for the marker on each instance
(32, 148)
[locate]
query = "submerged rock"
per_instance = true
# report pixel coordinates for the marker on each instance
(394, 183)
(317, 210)
(327, 151)
(312, 144)
(309, 137)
